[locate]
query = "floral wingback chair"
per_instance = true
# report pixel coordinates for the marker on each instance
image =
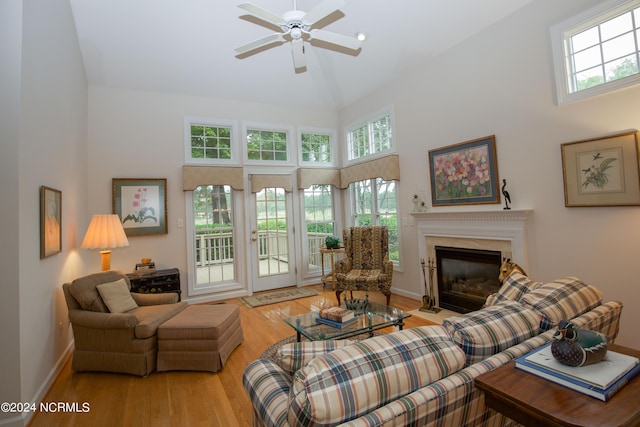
(366, 265)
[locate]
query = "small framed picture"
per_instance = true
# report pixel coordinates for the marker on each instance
(465, 173)
(141, 205)
(50, 222)
(602, 171)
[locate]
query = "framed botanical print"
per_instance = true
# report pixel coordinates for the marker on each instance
(602, 171)
(141, 205)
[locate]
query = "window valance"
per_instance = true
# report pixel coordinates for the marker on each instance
(387, 168)
(258, 182)
(317, 176)
(194, 176)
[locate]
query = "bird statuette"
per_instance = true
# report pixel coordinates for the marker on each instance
(505, 193)
(577, 347)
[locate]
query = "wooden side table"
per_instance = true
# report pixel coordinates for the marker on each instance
(158, 282)
(534, 401)
(329, 279)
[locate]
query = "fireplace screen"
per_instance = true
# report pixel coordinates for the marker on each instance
(466, 277)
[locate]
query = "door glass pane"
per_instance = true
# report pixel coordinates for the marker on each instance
(213, 220)
(273, 240)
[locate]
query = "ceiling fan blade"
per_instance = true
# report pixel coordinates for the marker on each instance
(322, 10)
(297, 47)
(263, 14)
(264, 41)
(337, 39)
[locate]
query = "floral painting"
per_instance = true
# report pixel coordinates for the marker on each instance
(465, 173)
(602, 171)
(141, 205)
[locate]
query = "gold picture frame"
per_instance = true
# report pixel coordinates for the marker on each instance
(602, 171)
(50, 222)
(141, 205)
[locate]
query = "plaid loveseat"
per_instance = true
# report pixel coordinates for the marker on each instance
(420, 376)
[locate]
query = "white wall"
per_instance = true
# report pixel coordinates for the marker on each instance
(10, 44)
(136, 134)
(500, 82)
(46, 146)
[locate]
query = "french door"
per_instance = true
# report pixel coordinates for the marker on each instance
(271, 239)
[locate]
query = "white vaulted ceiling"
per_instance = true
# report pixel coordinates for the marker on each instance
(187, 46)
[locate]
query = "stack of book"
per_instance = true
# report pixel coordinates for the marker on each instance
(336, 316)
(600, 380)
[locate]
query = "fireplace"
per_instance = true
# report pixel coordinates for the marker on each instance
(466, 277)
(501, 231)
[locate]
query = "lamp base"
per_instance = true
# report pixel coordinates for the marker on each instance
(106, 259)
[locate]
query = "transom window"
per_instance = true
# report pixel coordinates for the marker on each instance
(210, 142)
(373, 137)
(597, 51)
(267, 145)
(316, 147)
(375, 202)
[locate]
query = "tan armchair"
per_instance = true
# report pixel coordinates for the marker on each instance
(366, 265)
(116, 342)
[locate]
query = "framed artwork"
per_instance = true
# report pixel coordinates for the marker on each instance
(141, 205)
(50, 222)
(465, 173)
(602, 171)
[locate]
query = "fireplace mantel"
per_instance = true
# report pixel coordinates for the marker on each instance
(503, 225)
(503, 215)
(503, 230)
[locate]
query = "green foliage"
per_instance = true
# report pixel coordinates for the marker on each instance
(596, 175)
(332, 242)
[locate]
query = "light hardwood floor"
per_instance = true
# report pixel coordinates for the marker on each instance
(188, 398)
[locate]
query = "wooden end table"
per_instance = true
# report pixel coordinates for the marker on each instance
(534, 401)
(329, 279)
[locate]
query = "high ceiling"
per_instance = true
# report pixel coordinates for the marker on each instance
(187, 46)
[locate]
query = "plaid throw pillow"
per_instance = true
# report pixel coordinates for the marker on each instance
(356, 379)
(562, 299)
(493, 329)
(293, 356)
(513, 288)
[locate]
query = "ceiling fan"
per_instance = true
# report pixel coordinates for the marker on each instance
(297, 26)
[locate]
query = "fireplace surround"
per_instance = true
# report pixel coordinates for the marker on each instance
(503, 232)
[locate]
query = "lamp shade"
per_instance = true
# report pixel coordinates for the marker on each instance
(105, 231)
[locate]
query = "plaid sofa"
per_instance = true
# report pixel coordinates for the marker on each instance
(421, 376)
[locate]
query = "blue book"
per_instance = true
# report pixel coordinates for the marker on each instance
(335, 324)
(615, 371)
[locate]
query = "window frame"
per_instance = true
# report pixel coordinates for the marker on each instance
(269, 127)
(368, 122)
(236, 147)
(239, 248)
(306, 271)
(331, 133)
(375, 215)
(562, 31)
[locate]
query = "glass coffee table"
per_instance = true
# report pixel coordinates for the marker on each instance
(376, 316)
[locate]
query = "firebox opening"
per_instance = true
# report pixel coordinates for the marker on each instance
(466, 277)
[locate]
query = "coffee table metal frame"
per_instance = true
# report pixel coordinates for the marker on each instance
(375, 317)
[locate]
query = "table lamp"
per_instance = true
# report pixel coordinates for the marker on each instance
(105, 232)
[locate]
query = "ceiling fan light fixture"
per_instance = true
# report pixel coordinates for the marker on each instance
(361, 36)
(296, 33)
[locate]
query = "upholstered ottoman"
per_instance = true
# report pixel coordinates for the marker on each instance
(200, 338)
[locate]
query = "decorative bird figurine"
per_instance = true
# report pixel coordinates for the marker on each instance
(578, 347)
(505, 193)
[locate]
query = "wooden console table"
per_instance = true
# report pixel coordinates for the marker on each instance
(158, 282)
(534, 401)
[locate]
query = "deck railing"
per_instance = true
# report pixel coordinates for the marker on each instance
(217, 248)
